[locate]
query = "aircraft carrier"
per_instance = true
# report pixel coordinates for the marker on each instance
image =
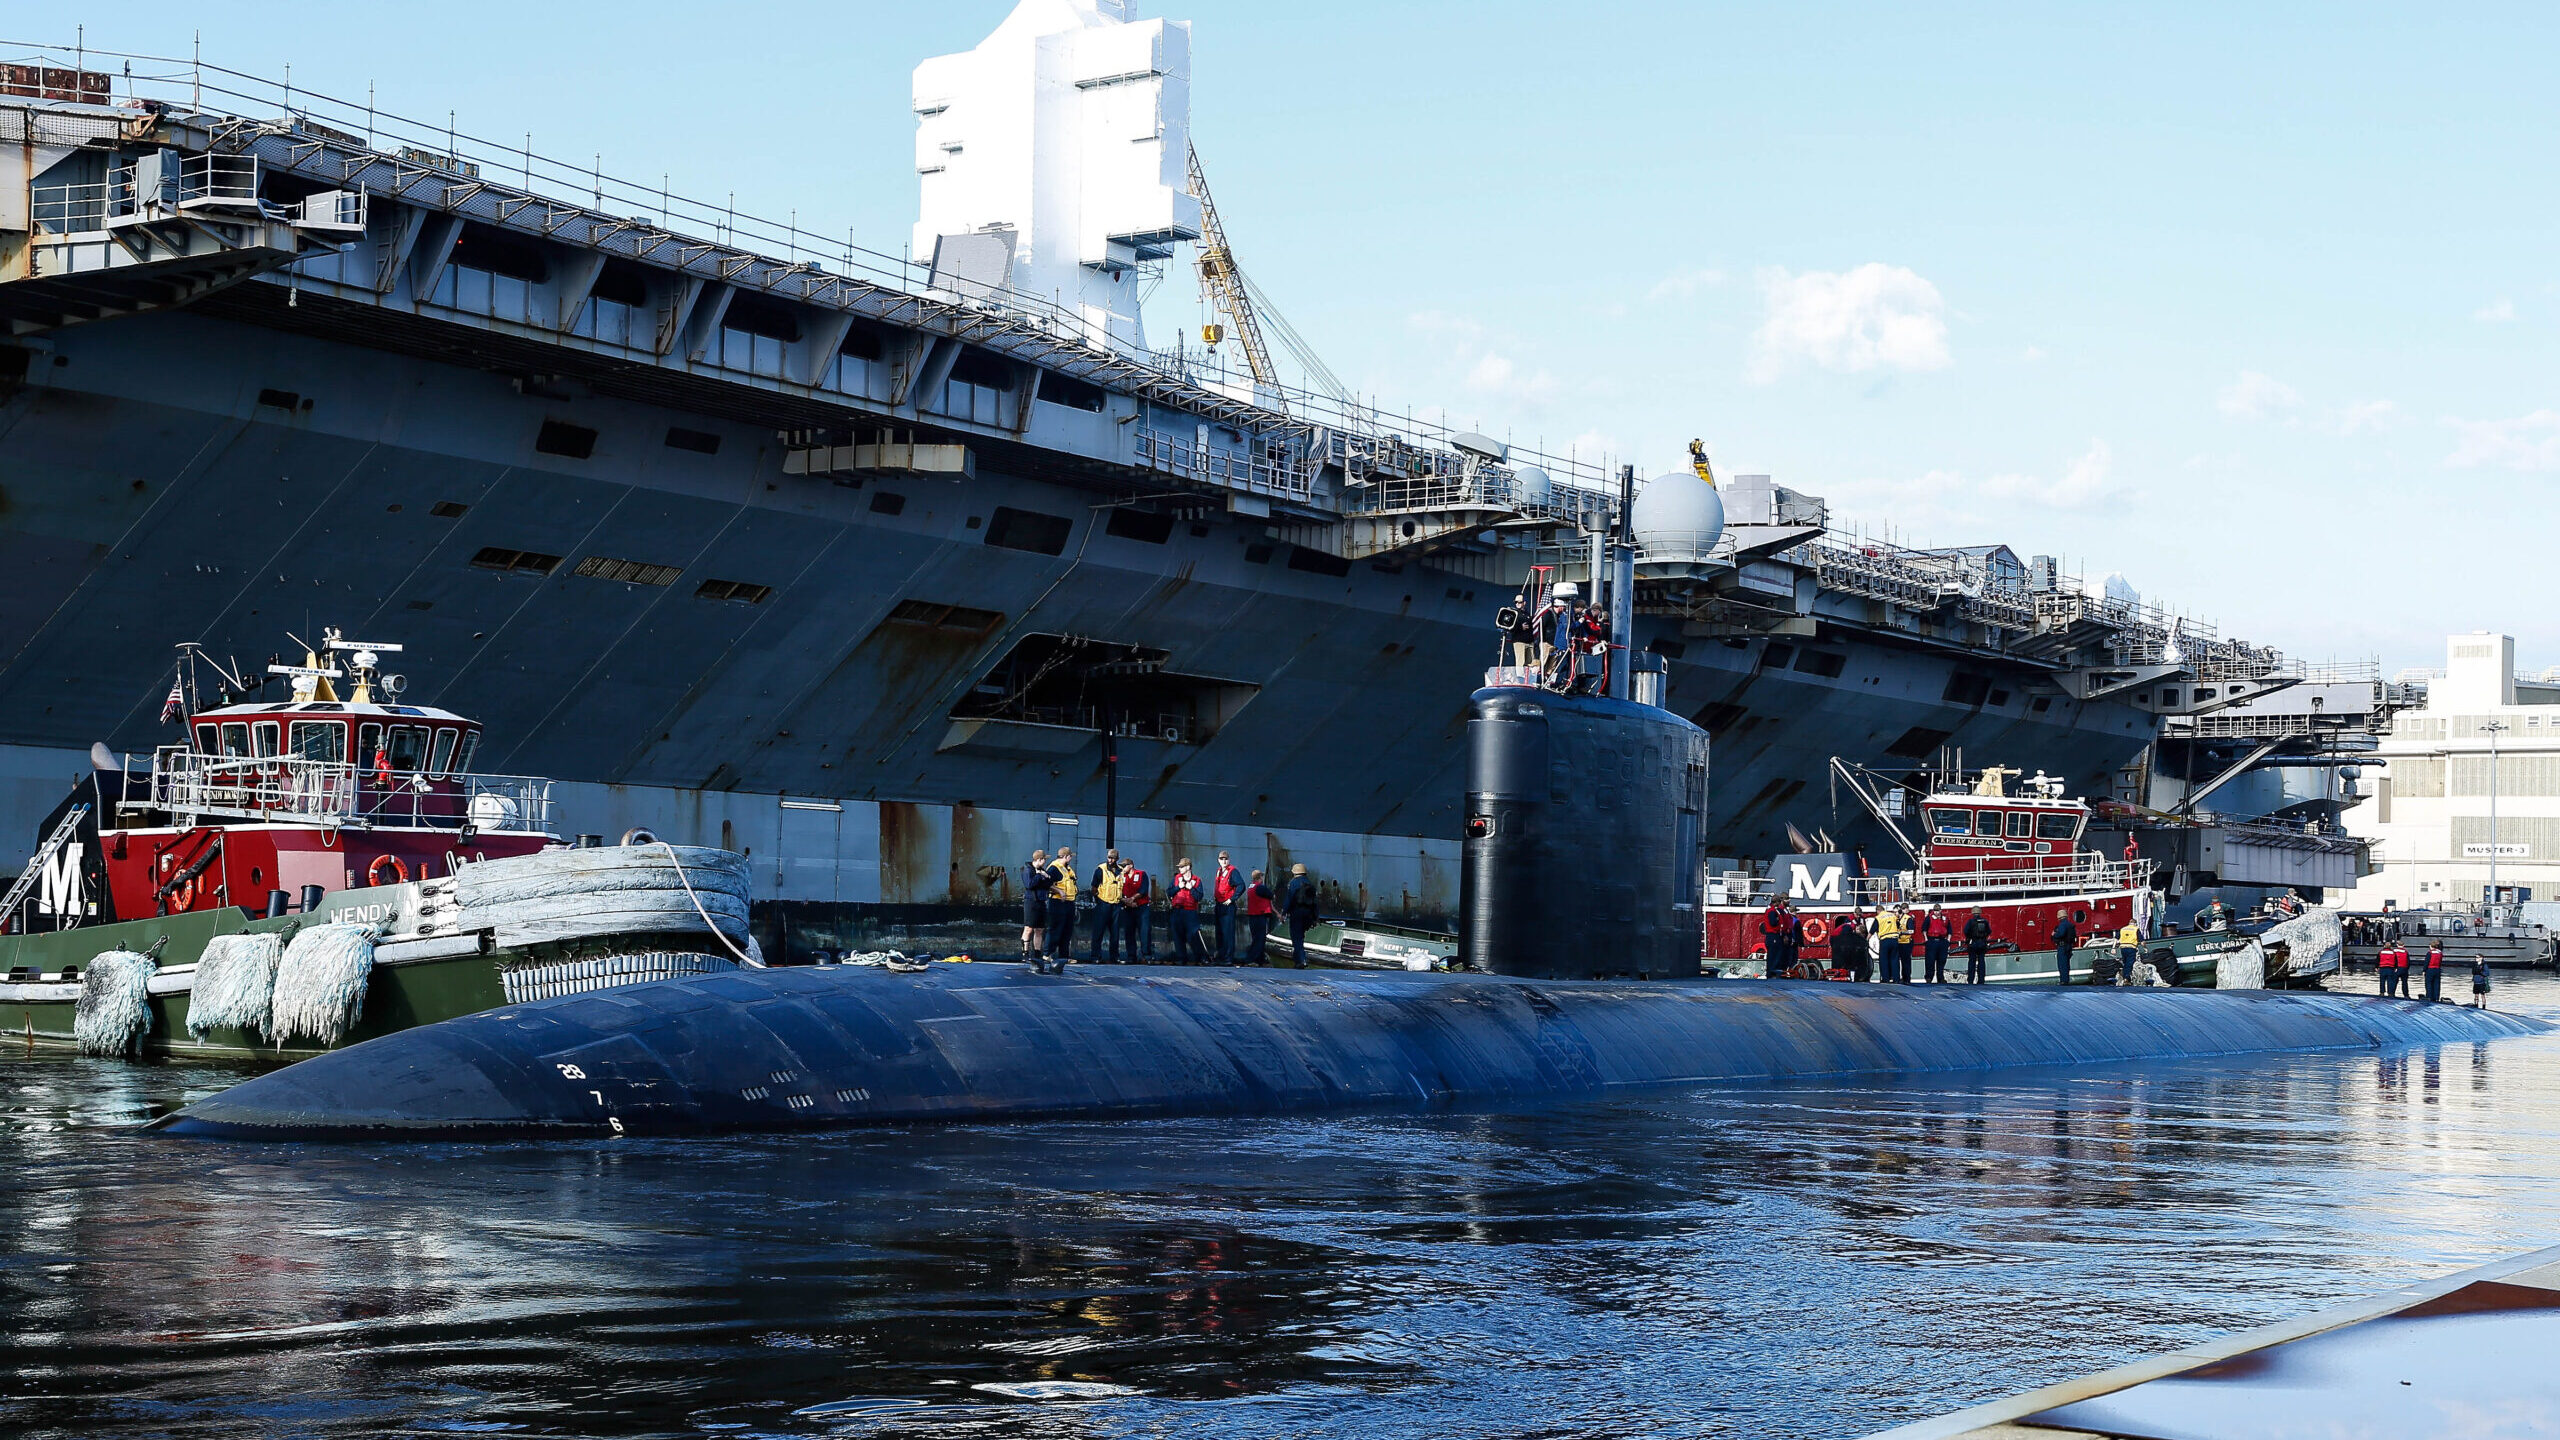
(886, 571)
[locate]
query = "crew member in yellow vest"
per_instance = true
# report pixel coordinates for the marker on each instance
(1062, 909)
(1105, 928)
(2128, 946)
(1893, 945)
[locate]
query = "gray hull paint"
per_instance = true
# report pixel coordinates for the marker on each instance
(151, 497)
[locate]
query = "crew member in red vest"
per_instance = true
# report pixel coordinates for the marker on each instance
(2395, 970)
(1182, 904)
(2435, 971)
(1226, 886)
(1137, 915)
(1258, 911)
(1773, 936)
(1937, 933)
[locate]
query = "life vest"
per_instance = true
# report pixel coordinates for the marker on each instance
(1257, 900)
(1227, 876)
(1133, 885)
(1186, 891)
(1106, 885)
(1065, 888)
(2435, 958)
(1940, 927)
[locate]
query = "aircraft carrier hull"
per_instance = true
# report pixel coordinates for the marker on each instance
(227, 473)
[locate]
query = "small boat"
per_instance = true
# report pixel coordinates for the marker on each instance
(1996, 842)
(1369, 945)
(302, 874)
(2499, 934)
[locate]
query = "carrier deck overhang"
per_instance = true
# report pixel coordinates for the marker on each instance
(1400, 539)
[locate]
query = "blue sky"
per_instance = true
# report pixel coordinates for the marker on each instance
(2258, 305)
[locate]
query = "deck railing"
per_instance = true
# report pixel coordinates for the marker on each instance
(2089, 873)
(290, 790)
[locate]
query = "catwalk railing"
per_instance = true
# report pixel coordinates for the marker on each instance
(282, 789)
(804, 264)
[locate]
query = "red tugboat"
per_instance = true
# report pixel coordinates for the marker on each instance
(1998, 844)
(311, 872)
(314, 791)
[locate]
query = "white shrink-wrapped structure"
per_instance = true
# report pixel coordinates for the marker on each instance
(1054, 161)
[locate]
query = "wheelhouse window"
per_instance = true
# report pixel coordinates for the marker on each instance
(208, 740)
(443, 752)
(319, 740)
(1988, 822)
(2021, 824)
(1950, 822)
(368, 744)
(408, 747)
(265, 735)
(2059, 825)
(235, 740)
(462, 757)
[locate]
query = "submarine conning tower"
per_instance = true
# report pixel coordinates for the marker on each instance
(1583, 822)
(1586, 799)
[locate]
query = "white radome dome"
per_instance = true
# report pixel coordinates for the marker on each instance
(1531, 485)
(1677, 516)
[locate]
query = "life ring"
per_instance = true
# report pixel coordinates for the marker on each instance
(1815, 930)
(399, 871)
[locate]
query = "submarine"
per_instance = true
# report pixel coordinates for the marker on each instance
(1582, 925)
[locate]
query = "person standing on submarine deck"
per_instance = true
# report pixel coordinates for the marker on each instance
(1226, 887)
(1298, 903)
(2065, 936)
(1137, 915)
(1035, 905)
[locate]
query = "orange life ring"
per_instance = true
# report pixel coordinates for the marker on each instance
(399, 872)
(1815, 930)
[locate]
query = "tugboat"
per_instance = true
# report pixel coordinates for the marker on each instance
(1995, 842)
(306, 873)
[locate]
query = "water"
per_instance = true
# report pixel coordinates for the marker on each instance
(1763, 1261)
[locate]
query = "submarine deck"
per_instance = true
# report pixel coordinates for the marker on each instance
(812, 1048)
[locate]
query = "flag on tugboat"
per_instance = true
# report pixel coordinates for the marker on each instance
(176, 702)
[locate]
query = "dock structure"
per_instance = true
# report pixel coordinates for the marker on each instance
(2465, 1355)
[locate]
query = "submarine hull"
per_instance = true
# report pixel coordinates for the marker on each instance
(820, 1047)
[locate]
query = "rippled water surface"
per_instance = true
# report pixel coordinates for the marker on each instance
(1769, 1260)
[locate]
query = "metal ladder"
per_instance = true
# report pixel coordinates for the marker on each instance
(52, 845)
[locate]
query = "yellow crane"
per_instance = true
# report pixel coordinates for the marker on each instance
(1227, 290)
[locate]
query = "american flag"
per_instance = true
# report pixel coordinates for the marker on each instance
(176, 702)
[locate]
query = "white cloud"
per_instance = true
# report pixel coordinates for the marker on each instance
(2255, 396)
(2085, 484)
(1685, 284)
(2527, 442)
(2260, 396)
(2496, 312)
(1873, 317)
(2033, 354)
(1480, 367)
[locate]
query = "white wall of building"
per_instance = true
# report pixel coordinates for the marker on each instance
(2429, 811)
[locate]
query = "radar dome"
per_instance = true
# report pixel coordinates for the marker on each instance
(1531, 485)
(1677, 516)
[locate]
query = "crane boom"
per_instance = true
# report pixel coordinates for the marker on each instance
(1224, 285)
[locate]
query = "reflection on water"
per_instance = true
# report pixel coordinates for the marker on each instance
(1787, 1260)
